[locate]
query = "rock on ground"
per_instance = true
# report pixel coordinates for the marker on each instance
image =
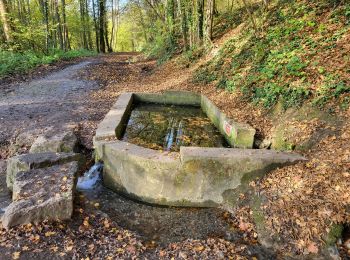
(5, 196)
(23, 142)
(41, 194)
(63, 142)
(27, 162)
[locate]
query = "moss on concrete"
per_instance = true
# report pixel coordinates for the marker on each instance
(334, 234)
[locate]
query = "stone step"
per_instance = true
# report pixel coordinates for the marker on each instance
(40, 194)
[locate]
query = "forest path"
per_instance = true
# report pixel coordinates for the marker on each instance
(56, 100)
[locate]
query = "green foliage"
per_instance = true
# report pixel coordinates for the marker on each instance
(295, 66)
(284, 64)
(204, 76)
(294, 97)
(227, 84)
(267, 95)
(332, 87)
(334, 234)
(162, 47)
(16, 62)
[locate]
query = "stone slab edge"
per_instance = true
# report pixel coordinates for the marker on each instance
(170, 98)
(28, 162)
(238, 135)
(156, 160)
(112, 126)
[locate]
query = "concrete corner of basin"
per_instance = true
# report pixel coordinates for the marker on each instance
(238, 135)
(111, 126)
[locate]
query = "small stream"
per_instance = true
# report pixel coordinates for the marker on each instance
(160, 226)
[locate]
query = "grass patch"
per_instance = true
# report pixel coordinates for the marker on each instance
(19, 62)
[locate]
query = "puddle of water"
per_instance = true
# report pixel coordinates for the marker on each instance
(167, 127)
(90, 178)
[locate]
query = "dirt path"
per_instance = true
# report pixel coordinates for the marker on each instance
(56, 100)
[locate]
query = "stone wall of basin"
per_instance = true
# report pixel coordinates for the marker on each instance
(193, 177)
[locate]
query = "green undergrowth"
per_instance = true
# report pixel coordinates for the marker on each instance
(300, 53)
(19, 62)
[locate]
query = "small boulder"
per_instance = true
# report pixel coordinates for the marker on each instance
(41, 194)
(23, 142)
(27, 162)
(65, 142)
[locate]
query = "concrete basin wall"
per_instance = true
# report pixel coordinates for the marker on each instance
(193, 177)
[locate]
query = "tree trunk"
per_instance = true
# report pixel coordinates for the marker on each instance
(4, 20)
(182, 5)
(59, 26)
(251, 17)
(115, 23)
(208, 33)
(88, 25)
(109, 49)
(94, 13)
(82, 19)
(66, 45)
(170, 19)
(46, 10)
(200, 21)
(102, 25)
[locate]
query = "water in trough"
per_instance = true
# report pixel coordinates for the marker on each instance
(167, 127)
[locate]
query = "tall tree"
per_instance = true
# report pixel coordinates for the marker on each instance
(170, 19)
(200, 21)
(182, 7)
(66, 44)
(4, 20)
(251, 17)
(102, 15)
(95, 13)
(46, 18)
(208, 33)
(58, 25)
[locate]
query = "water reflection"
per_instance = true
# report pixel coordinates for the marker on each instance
(167, 127)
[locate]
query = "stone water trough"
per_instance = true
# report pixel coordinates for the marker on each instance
(193, 176)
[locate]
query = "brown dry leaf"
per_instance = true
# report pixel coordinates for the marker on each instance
(106, 223)
(54, 248)
(86, 222)
(16, 255)
(312, 248)
(50, 233)
(69, 248)
(199, 248)
(243, 226)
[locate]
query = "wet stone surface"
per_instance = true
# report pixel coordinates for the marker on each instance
(167, 127)
(160, 226)
(5, 195)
